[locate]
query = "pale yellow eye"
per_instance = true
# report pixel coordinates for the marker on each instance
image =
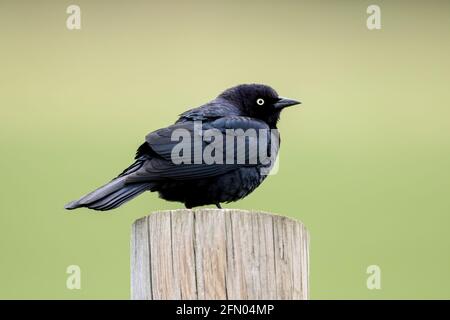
(260, 102)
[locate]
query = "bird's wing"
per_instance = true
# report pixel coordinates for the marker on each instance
(212, 110)
(162, 144)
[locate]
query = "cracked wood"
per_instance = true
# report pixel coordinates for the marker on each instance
(218, 254)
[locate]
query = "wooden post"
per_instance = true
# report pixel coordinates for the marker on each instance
(218, 254)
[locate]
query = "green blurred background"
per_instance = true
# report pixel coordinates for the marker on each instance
(364, 161)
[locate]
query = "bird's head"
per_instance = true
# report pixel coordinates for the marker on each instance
(258, 101)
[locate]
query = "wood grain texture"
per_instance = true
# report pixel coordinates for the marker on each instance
(218, 254)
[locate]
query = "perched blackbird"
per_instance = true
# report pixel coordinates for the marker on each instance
(189, 178)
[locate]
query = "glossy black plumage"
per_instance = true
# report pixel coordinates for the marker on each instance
(197, 184)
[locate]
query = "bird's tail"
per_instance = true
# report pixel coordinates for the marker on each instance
(112, 194)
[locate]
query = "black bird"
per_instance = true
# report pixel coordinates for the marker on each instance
(247, 106)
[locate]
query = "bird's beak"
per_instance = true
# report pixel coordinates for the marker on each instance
(285, 102)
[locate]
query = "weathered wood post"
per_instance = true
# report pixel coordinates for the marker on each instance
(218, 254)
